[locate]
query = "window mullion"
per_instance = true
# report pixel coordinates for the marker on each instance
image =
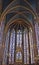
(29, 49)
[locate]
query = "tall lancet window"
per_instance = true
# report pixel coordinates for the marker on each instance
(19, 46)
(19, 38)
(31, 45)
(26, 48)
(12, 47)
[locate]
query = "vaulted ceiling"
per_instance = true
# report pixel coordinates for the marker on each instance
(24, 9)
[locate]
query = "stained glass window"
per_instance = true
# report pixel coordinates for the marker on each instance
(31, 46)
(16, 51)
(26, 50)
(18, 56)
(19, 38)
(12, 47)
(19, 44)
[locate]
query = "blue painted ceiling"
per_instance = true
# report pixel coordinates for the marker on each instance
(6, 2)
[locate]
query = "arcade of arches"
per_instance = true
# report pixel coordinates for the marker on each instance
(19, 32)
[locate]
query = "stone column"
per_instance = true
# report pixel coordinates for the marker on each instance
(1, 38)
(5, 50)
(37, 35)
(0, 7)
(35, 39)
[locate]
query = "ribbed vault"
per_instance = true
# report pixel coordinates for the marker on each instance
(20, 9)
(17, 22)
(18, 5)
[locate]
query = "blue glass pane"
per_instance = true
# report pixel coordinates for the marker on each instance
(12, 47)
(19, 56)
(19, 38)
